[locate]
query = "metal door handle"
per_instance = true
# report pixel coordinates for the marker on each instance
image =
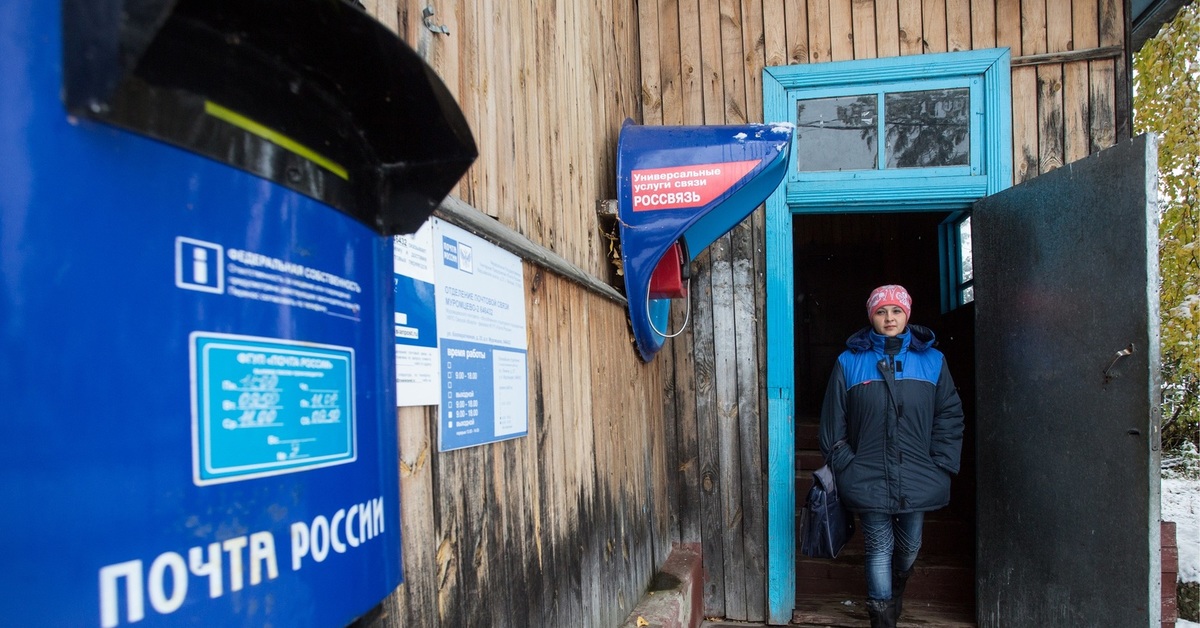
(1128, 350)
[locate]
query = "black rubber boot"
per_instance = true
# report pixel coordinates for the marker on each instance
(899, 581)
(882, 613)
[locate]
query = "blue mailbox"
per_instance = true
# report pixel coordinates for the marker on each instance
(196, 352)
(679, 188)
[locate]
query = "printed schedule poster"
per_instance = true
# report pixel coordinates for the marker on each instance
(418, 378)
(482, 340)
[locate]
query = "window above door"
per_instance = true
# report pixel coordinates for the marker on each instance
(923, 124)
(925, 132)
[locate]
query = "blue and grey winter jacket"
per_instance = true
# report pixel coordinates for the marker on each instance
(892, 457)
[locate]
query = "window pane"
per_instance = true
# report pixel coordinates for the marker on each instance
(928, 128)
(837, 133)
(964, 246)
(968, 294)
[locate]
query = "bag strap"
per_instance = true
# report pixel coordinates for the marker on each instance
(824, 478)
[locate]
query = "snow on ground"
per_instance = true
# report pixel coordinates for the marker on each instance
(1181, 504)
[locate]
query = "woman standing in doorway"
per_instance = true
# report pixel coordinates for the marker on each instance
(891, 429)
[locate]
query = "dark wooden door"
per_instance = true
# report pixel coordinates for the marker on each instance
(1067, 435)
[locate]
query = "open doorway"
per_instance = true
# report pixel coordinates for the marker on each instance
(838, 259)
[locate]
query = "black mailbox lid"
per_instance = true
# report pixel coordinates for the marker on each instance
(313, 94)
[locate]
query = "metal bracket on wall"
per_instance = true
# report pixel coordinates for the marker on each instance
(607, 219)
(427, 19)
(606, 208)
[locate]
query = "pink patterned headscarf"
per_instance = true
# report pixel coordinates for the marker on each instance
(889, 295)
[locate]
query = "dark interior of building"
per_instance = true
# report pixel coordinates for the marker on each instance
(839, 259)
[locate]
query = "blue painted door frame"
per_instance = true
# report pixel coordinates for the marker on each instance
(991, 171)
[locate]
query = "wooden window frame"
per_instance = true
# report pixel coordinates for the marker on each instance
(950, 254)
(984, 72)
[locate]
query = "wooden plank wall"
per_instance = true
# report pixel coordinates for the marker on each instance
(702, 64)
(545, 86)
(563, 527)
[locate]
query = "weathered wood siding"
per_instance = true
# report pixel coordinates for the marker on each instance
(562, 527)
(565, 526)
(702, 64)
(545, 86)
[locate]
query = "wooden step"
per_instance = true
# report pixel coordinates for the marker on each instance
(807, 461)
(945, 572)
(808, 436)
(942, 534)
(942, 578)
(831, 611)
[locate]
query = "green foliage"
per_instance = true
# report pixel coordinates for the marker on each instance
(1167, 102)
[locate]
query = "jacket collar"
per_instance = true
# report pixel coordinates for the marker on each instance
(915, 338)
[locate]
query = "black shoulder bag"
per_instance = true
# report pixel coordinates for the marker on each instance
(826, 526)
